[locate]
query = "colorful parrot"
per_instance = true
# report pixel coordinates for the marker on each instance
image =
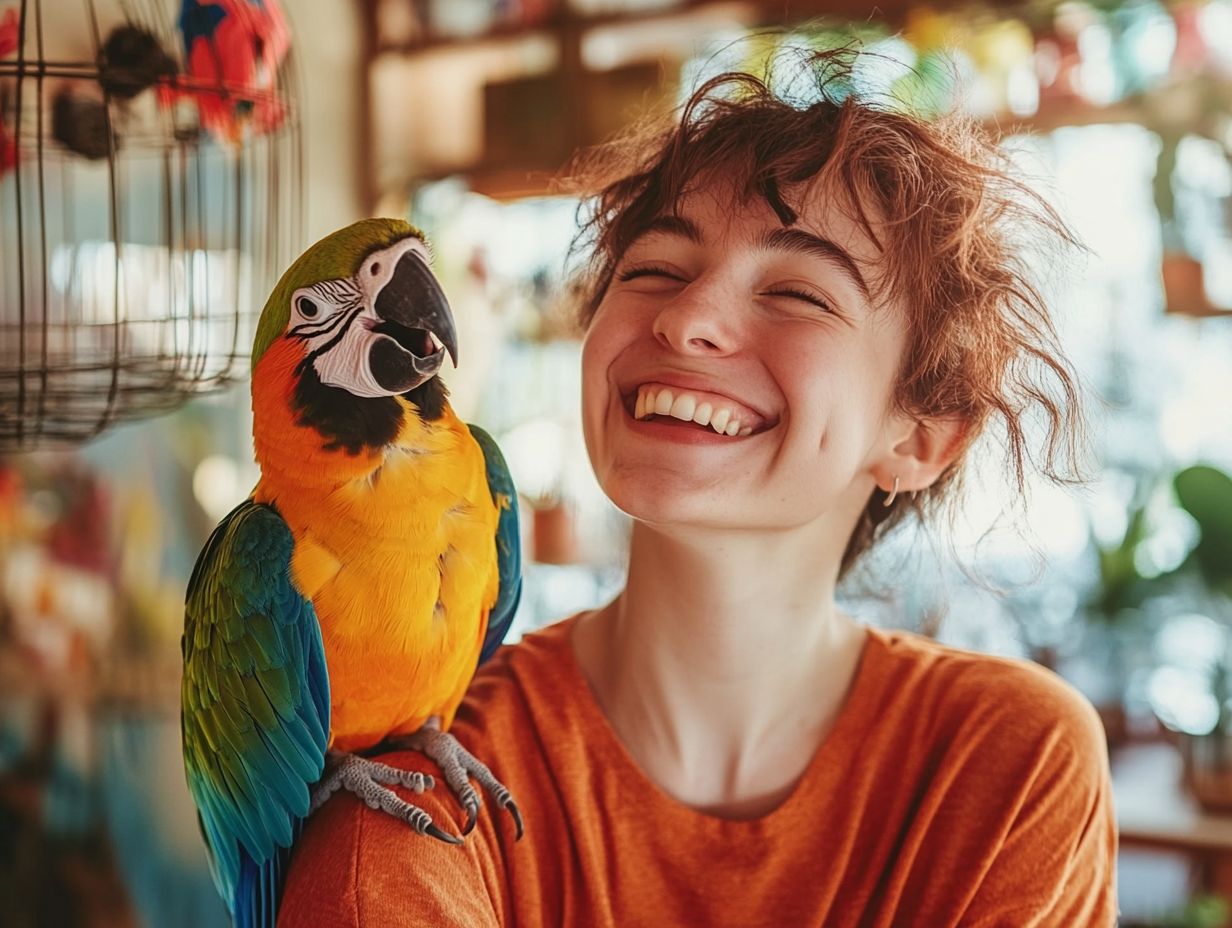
(232, 51)
(349, 600)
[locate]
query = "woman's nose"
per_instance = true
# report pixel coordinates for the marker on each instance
(695, 321)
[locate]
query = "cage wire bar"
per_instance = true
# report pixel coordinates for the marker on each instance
(136, 246)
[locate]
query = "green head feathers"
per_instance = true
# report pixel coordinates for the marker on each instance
(339, 254)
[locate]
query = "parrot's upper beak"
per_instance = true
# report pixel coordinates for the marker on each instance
(416, 318)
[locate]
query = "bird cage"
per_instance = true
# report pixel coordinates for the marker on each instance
(150, 192)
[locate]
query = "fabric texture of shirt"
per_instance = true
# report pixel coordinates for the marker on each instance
(955, 788)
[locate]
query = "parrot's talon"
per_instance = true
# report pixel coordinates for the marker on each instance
(432, 830)
(512, 808)
(458, 765)
(369, 781)
(472, 818)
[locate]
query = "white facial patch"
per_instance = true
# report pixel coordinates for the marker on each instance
(319, 312)
(378, 268)
(336, 319)
(346, 364)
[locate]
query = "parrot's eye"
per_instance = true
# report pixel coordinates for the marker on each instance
(376, 269)
(307, 308)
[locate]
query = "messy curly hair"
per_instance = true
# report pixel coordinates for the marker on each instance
(955, 233)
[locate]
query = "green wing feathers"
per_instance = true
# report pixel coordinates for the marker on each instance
(255, 705)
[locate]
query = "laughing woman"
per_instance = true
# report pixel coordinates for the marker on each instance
(799, 319)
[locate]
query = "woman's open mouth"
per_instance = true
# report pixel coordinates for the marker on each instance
(653, 402)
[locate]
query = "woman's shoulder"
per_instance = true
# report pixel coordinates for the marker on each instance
(963, 694)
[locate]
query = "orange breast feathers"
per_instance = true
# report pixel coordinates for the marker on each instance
(396, 548)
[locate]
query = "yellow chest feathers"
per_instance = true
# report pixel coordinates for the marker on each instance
(420, 511)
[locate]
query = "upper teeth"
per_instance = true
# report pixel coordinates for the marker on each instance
(688, 407)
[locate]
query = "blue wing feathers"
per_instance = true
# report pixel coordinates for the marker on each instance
(255, 706)
(508, 542)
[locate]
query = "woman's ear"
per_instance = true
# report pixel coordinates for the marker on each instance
(920, 456)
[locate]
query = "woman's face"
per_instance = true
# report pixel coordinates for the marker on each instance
(726, 316)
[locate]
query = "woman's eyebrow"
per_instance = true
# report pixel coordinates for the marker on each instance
(801, 242)
(668, 224)
(793, 240)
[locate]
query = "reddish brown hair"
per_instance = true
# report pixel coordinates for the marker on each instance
(953, 229)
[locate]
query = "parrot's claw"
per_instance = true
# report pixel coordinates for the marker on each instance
(458, 765)
(472, 817)
(370, 780)
(445, 836)
(517, 817)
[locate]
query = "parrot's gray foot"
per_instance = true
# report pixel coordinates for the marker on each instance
(370, 781)
(458, 765)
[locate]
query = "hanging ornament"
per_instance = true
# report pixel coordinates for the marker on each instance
(133, 59)
(233, 50)
(10, 24)
(1182, 269)
(79, 122)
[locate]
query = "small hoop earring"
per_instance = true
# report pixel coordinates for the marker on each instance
(889, 500)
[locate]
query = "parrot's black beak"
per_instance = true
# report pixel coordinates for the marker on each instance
(416, 318)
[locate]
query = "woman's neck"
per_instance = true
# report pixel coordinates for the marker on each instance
(722, 665)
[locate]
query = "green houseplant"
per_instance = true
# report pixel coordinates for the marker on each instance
(1205, 492)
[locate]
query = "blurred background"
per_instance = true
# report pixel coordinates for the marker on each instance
(148, 200)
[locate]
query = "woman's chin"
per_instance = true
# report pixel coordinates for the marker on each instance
(665, 503)
(653, 501)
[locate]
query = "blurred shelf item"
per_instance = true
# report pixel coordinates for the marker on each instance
(1154, 810)
(553, 535)
(1185, 291)
(148, 683)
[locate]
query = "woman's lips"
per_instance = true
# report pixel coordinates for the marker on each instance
(655, 401)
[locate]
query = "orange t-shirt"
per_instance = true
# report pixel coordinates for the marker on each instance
(954, 789)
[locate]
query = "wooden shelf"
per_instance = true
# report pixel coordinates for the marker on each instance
(758, 13)
(563, 22)
(1187, 105)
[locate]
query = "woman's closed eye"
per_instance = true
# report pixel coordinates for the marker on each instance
(805, 296)
(648, 270)
(662, 272)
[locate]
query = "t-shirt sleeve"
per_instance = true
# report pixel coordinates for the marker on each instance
(356, 867)
(1056, 864)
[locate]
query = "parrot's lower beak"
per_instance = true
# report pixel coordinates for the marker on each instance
(418, 325)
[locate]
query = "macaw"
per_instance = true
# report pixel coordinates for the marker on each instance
(232, 51)
(349, 599)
